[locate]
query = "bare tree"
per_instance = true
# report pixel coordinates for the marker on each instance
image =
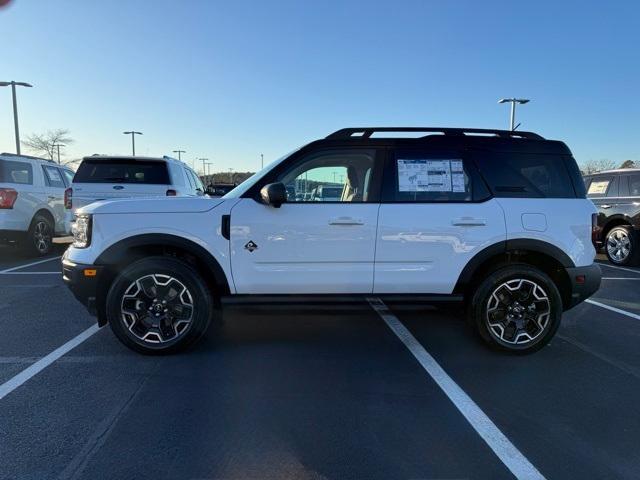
(43, 143)
(593, 166)
(628, 164)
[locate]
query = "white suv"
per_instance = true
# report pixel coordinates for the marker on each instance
(32, 201)
(102, 177)
(495, 219)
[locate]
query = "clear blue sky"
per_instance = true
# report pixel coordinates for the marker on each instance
(229, 80)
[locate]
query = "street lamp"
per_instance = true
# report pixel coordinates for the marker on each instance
(204, 163)
(262, 160)
(179, 152)
(133, 140)
(513, 102)
(54, 145)
(15, 108)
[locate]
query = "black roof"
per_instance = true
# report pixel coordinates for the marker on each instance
(447, 138)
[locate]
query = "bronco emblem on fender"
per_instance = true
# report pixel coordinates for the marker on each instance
(251, 246)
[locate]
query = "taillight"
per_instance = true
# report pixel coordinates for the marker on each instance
(171, 193)
(7, 197)
(595, 230)
(68, 198)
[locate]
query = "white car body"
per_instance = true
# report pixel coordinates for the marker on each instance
(40, 191)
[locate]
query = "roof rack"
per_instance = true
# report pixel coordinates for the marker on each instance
(367, 132)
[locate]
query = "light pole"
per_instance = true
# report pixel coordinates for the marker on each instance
(58, 145)
(513, 102)
(262, 160)
(231, 175)
(179, 152)
(204, 165)
(133, 140)
(15, 108)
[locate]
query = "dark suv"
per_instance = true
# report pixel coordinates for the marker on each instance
(616, 194)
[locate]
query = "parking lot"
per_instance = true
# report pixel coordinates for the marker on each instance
(315, 391)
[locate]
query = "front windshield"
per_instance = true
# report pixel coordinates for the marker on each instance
(249, 182)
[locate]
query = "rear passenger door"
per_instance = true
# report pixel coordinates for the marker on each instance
(436, 214)
(54, 189)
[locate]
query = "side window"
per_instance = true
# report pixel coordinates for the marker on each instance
(53, 177)
(16, 172)
(198, 182)
(68, 175)
(343, 176)
(599, 186)
(191, 183)
(634, 185)
(526, 175)
(424, 177)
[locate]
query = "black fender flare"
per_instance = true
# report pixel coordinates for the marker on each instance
(116, 253)
(513, 245)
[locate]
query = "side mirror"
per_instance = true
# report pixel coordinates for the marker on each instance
(274, 194)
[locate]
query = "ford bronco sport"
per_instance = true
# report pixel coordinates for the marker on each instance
(495, 219)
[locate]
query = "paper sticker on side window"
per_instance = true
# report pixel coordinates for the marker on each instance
(598, 188)
(428, 175)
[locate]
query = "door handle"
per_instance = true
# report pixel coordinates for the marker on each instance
(345, 221)
(468, 222)
(606, 206)
(51, 197)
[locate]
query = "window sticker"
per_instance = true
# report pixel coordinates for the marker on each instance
(54, 175)
(422, 175)
(598, 188)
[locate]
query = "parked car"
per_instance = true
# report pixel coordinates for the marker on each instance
(497, 220)
(102, 177)
(219, 189)
(616, 195)
(32, 202)
(327, 193)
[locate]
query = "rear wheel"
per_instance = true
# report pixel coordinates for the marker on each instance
(159, 305)
(40, 236)
(622, 246)
(516, 309)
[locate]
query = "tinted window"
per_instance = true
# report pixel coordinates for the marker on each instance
(16, 172)
(526, 175)
(122, 171)
(634, 185)
(53, 177)
(599, 186)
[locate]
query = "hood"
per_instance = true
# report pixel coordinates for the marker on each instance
(152, 205)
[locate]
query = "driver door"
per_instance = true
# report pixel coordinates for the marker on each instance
(312, 244)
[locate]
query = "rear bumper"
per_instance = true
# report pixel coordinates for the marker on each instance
(83, 286)
(585, 281)
(11, 236)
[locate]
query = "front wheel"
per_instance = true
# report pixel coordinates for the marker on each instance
(516, 309)
(159, 305)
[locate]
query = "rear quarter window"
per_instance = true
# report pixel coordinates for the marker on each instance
(518, 175)
(123, 171)
(16, 172)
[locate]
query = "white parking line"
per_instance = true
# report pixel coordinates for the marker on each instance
(620, 278)
(637, 272)
(30, 264)
(613, 309)
(481, 423)
(37, 273)
(14, 382)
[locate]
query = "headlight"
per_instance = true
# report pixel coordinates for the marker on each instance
(81, 230)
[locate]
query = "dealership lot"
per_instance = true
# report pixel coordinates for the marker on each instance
(315, 391)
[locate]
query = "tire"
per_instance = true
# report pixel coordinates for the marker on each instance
(622, 246)
(528, 299)
(40, 236)
(139, 318)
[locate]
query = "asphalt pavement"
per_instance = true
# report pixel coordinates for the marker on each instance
(315, 392)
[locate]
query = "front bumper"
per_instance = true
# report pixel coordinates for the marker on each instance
(585, 281)
(82, 280)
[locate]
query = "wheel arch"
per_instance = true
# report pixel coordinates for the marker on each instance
(45, 213)
(614, 221)
(537, 253)
(122, 253)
